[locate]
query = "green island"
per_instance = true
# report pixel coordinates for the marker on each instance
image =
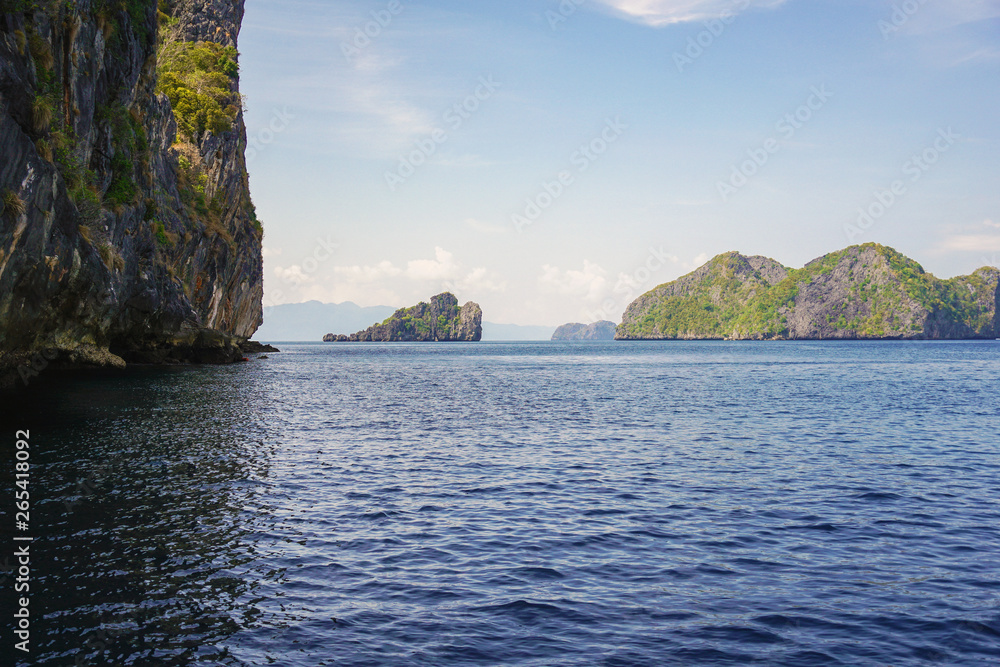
(867, 291)
(441, 320)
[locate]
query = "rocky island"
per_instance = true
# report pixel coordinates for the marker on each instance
(863, 292)
(127, 232)
(602, 330)
(441, 320)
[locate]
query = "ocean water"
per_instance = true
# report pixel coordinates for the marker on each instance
(546, 504)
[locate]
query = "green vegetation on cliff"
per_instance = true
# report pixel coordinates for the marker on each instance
(727, 292)
(868, 291)
(110, 179)
(440, 320)
(127, 219)
(197, 78)
(419, 321)
(200, 79)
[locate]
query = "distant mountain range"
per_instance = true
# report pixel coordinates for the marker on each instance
(862, 292)
(312, 320)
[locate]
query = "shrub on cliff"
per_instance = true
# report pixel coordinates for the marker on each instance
(197, 79)
(11, 204)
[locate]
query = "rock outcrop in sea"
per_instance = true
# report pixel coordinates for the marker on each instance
(127, 232)
(602, 330)
(441, 320)
(863, 292)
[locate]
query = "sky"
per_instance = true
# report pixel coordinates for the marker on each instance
(554, 160)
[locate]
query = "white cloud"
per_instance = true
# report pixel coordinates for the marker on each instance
(982, 55)
(293, 275)
(974, 243)
(366, 107)
(367, 274)
(590, 284)
(477, 281)
(938, 16)
(974, 238)
(270, 252)
(660, 13)
(442, 267)
(387, 283)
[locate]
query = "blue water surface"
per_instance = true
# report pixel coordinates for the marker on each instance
(667, 503)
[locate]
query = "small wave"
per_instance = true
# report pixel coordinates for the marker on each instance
(879, 495)
(530, 612)
(739, 634)
(539, 573)
(604, 512)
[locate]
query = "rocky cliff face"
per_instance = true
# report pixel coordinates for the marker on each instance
(603, 330)
(863, 292)
(441, 320)
(118, 232)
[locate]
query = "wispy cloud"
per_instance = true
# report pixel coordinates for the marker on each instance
(366, 274)
(485, 227)
(974, 243)
(660, 13)
(979, 238)
(939, 16)
(388, 282)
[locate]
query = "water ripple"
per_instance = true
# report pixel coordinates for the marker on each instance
(641, 504)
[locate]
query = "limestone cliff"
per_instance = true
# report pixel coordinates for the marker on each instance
(862, 292)
(126, 222)
(597, 331)
(441, 320)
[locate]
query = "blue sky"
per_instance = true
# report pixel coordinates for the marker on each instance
(553, 161)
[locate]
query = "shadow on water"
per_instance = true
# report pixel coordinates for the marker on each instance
(565, 505)
(145, 491)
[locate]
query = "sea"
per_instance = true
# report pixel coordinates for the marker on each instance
(522, 504)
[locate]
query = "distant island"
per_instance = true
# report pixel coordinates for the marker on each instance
(602, 330)
(863, 292)
(441, 320)
(312, 319)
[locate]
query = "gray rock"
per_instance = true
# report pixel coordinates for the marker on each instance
(441, 320)
(151, 278)
(599, 331)
(863, 292)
